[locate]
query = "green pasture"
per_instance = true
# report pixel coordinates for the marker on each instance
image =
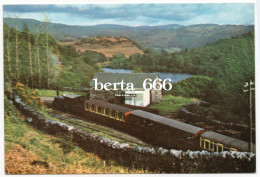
(52, 93)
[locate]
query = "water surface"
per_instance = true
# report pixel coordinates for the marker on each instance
(175, 77)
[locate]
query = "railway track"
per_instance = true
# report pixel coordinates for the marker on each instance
(203, 124)
(237, 131)
(73, 119)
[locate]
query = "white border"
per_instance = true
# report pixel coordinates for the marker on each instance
(257, 68)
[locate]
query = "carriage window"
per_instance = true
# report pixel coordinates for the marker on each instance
(103, 111)
(211, 148)
(91, 108)
(116, 115)
(215, 148)
(120, 116)
(220, 147)
(201, 142)
(206, 145)
(107, 112)
(123, 117)
(110, 113)
(99, 109)
(96, 109)
(113, 114)
(87, 106)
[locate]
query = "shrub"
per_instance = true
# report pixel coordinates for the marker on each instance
(27, 95)
(196, 86)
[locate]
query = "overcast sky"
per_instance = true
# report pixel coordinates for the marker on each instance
(138, 14)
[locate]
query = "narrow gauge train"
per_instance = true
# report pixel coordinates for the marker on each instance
(155, 129)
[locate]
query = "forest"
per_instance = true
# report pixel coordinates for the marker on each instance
(224, 68)
(38, 61)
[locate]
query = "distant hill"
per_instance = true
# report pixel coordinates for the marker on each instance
(168, 37)
(107, 45)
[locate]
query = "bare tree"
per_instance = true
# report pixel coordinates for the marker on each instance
(30, 56)
(8, 48)
(47, 21)
(37, 54)
(17, 47)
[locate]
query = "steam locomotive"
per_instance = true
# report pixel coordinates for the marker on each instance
(152, 128)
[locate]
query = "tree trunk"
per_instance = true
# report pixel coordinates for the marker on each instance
(47, 50)
(30, 56)
(48, 61)
(17, 48)
(8, 52)
(38, 56)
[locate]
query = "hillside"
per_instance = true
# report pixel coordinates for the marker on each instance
(106, 45)
(230, 62)
(171, 37)
(27, 61)
(210, 60)
(31, 151)
(192, 36)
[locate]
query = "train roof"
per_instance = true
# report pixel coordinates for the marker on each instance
(109, 105)
(226, 140)
(168, 122)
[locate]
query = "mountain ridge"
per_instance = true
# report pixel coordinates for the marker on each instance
(171, 36)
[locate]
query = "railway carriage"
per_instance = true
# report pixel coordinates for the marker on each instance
(107, 109)
(156, 129)
(216, 142)
(69, 102)
(107, 113)
(74, 103)
(58, 102)
(164, 131)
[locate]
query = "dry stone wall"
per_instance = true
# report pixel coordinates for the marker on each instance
(160, 159)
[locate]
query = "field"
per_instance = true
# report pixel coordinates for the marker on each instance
(109, 46)
(30, 151)
(52, 93)
(169, 104)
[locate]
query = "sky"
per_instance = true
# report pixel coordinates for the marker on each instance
(138, 14)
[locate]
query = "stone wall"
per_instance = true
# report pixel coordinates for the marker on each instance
(163, 160)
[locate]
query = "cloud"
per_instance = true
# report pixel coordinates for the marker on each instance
(139, 14)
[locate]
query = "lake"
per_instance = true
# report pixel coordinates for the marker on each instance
(175, 77)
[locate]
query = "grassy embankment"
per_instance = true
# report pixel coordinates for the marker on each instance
(169, 104)
(30, 151)
(52, 93)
